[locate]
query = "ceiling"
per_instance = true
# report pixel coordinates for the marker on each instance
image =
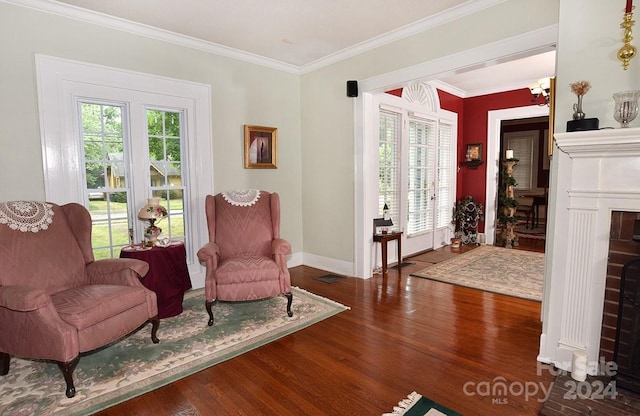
(305, 33)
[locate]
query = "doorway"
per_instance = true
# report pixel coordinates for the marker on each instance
(365, 132)
(415, 167)
(494, 136)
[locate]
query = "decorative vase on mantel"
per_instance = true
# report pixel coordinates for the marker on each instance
(626, 107)
(578, 114)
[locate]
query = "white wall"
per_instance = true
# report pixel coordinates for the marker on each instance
(242, 93)
(315, 119)
(588, 41)
(328, 115)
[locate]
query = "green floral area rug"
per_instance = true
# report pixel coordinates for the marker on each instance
(134, 365)
(501, 270)
(417, 405)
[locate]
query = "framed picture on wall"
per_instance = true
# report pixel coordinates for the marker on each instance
(474, 152)
(260, 147)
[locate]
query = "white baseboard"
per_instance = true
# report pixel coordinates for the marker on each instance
(341, 267)
(323, 263)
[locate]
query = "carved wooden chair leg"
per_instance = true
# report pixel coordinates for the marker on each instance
(289, 300)
(155, 324)
(67, 371)
(4, 363)
(208, 304)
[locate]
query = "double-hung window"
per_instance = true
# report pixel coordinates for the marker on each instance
(112, 139)
(523, 151)
(109, 172)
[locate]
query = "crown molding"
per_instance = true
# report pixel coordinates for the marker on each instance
(525, 44)
(101, 19)
(449, 15)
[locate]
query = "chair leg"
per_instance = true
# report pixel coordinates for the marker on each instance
(155, 324)
(4, 363)
(208, 304)
(67, 371)
(289, 300)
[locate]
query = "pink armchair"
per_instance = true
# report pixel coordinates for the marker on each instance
(56, 301)
(245, 257)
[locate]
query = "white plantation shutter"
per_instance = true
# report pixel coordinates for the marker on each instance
(523, 150)
(446, 175)
(389, 164)
(421, 162)
(417, 171)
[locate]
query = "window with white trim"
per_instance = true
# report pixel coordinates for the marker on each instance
(113, 138)
(416, 183)
(523, 151)
(388, 169)
(421, 164)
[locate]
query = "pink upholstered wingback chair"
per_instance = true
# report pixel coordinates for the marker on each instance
(245, 257)
(56, 301)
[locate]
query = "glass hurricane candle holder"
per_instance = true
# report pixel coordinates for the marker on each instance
(626, 107)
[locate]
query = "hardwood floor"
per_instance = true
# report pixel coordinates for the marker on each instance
(452, 344)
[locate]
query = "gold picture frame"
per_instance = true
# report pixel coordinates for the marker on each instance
(552, 112)
(260, 147)
(474, 152)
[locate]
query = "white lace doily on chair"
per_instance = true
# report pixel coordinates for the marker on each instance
(26, 216)
(242, 198)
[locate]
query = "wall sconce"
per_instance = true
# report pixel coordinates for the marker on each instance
(473, 158)
(541, 88)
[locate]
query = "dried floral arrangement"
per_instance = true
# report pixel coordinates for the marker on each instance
(580, 87)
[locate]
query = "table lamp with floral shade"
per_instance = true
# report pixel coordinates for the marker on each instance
(152, 212)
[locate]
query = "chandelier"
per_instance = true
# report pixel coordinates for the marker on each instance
(541, 89)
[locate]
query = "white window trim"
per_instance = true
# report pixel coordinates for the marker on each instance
(407, 111)
(58, 79)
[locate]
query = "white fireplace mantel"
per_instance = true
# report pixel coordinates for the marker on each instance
(593, 173)
(594, 143)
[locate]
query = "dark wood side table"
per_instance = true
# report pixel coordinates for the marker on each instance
(168, 275)
(538, 201)
(383, 239)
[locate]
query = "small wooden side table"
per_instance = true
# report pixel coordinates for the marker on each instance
(168, 275)
(383, 239)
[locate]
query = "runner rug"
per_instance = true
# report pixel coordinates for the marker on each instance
(135, 365)
(417, 405)
(510, 272)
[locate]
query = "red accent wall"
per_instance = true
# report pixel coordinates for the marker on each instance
(397, 92)
(472, 128)
(473, 122)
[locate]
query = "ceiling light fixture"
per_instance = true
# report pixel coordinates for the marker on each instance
(541, 88)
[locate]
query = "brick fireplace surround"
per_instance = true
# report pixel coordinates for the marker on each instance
(622, 248)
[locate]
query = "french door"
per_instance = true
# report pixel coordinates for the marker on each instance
(416, 165)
